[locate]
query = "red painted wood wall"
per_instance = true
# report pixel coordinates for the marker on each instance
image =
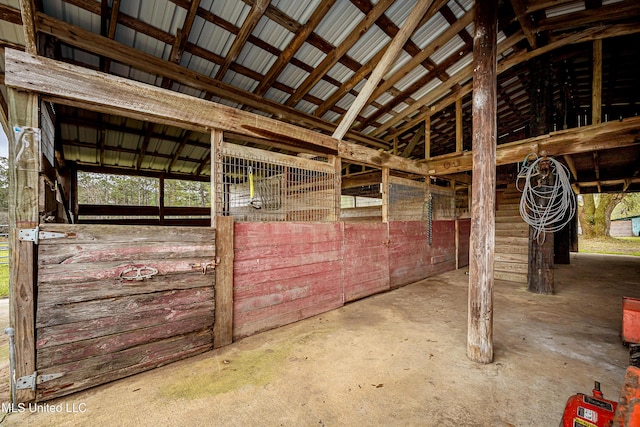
(285, 272)
(366, 260)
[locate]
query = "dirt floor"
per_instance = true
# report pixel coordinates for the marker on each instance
(393, 359)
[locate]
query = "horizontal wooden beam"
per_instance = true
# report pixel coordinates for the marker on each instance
(115, 210)
(103, 46)
(363, 179)
(604, 136)
(93, 168)
(80, 87)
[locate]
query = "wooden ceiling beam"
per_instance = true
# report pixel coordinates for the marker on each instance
(405, 96)
(467, 73)
(28, 13)
(425, 53)
(604, 136)
(83, 39)
(617, 11)
(257, 10)
(536, 5)
(145, 145)
(87, 167)
(366, 69)
(11, 15)
(287, 54)
(390, 54)
(76, 86)
(332, 58)
(525, 20)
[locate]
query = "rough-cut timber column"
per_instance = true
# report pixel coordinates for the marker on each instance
(482, 239)
(540, 268)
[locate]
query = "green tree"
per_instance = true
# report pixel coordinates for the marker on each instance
(594, 213)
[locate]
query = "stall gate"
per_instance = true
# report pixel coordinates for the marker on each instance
(113, 301)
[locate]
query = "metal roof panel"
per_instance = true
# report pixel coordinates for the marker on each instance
(426, 34)
(447, 49)
(400, 10)
(339, 22)
(368, 45)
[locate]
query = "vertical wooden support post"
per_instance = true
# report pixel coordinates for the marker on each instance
(385, 194)
(596, 84)
(427, 138)
(540, 276)
(459, 125)
(217, 196)
(337, 167)
(73, 192)
(161, 199)
(23, 213)
(482, 239)
(395, 146)
(223, 318)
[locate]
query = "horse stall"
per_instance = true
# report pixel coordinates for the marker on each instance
(101, 292)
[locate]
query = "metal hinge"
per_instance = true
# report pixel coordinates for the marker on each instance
(35, 235)
(30, 381)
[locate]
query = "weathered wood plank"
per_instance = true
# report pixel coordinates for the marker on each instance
(111, 271)
(23, 213)
(68, 293)
(223, 326)
(84, 311)
(104, 252)
(94, 233)
(104, 326)
(366, 260)
(49, 357)
(250, 327)
(252, 235)
(87, 373)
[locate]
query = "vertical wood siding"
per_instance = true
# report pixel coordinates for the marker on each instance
(94, 327)
(366, 260)
(285, 272)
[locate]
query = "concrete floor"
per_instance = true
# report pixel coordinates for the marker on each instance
(393, 359)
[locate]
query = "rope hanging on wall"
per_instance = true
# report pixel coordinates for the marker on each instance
(547, 203)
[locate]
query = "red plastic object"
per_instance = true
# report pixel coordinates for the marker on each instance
(589, 411)
(631, 320)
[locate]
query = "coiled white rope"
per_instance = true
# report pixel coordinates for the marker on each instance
(547, 208)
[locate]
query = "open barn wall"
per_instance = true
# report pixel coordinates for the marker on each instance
(285, 272)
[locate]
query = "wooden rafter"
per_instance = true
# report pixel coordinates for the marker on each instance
(389, 56)
(332, 58)
(624, 10)
(28, 12)
(83, 39)
(257, 10)
(524, 18)
(285, 56)
(585, 139)
(465, 74)
(111, 32)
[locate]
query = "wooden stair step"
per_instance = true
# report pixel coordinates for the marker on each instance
(509, 218)
(510, 267)
(506, 248)
(511, 257)
(511, 240)
(510, 277)
(512, 233)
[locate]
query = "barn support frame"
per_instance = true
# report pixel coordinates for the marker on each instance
(482, 240)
